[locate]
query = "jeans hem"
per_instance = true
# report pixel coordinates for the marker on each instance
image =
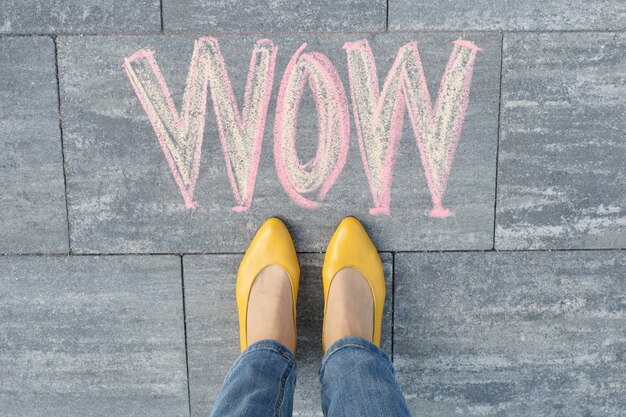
(353, 342)
(272, 346)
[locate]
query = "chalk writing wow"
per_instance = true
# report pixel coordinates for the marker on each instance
(378, 116)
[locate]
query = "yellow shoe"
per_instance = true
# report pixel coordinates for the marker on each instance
(350, 246)
(272, 244)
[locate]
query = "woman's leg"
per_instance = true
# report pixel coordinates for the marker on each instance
(260, 383)
(358, 379)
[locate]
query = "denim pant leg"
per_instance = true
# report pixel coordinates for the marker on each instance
(260, 383)
(358, 380)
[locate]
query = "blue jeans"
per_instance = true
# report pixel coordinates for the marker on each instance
(357, 377)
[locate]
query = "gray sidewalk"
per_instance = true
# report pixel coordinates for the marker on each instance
(494, 186)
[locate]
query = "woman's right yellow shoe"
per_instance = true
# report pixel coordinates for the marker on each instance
(351, 247)
(272, 245)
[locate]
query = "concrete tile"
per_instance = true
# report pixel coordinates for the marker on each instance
(511, 333)
(79, 16)
(92, 336)
(123, 197)
(213, 332)
(275, 16)
(32, 196)
(561, 171)
(499, 15)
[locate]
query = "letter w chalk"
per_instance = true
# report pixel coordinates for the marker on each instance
(379, 116)
(181, 139)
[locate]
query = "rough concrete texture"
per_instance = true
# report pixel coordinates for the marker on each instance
(274, 16)
(535, 15)
(562, 170)
(79, 16)
(512, 333)
(32, 195)
(92, 336)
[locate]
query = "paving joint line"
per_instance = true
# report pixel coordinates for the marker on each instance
(539, 250)
(161, 14)
(293, 33)
(394, 252)
(393, 303)
(387, 17)
(58, 85)
(495, 195)
(182, 282)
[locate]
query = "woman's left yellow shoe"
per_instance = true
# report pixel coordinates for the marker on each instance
(272, 245)
(351, 247)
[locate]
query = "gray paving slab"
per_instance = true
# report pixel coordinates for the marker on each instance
(561, 171)
(213, 332)
(123, 196)
(508, 16)
(511, 333)
(92, 336)
(32, 194)
(274, 16)
(79, 16)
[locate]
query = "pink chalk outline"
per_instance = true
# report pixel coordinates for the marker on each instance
(244, 201)
(187, 192)
(382, 196)
(326, 131)
(437, 190)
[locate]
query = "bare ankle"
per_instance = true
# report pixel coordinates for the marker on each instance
(270, 308)
(349, 309)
